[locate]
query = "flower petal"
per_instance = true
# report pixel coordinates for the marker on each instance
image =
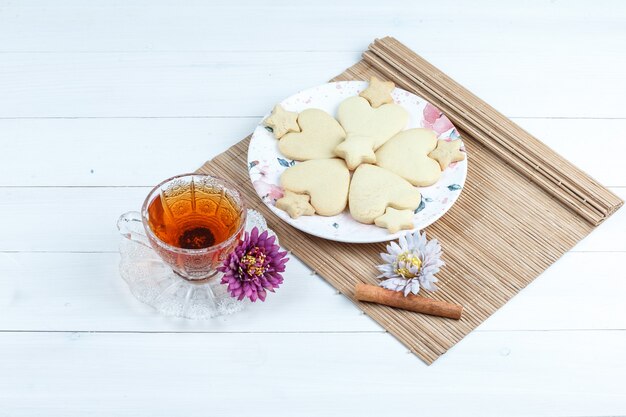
(407, 290)
(394, 284)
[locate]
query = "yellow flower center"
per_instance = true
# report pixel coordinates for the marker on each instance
(254, 262)
(404, 261)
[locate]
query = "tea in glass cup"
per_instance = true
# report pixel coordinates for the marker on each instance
(192, 221)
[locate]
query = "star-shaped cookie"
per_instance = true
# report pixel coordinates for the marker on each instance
(447, 152)
(295, 205)
(282, 121)
(395, 220)
(378, 92)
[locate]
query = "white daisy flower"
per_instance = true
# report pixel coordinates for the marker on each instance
(411, 264)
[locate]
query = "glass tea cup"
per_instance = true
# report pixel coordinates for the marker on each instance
(192, 221)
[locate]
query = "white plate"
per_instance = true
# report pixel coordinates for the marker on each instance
(266, 163)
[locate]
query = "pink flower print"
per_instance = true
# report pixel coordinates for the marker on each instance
(264, 169)
(268, 191)
(264, 187)
(435, 120)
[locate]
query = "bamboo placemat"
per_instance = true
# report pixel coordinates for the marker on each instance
(522, 207)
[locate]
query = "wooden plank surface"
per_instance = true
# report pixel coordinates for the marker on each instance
(82, 292)
(201, 84)
(579, 27)
(147, 150)
(60, 219)
(525, 373)
(124, 80)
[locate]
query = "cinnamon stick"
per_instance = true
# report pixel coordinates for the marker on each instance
(378, 295)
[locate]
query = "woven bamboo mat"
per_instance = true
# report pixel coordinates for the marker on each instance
(522, 207)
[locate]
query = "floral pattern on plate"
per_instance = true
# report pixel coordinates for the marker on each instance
(266, 164)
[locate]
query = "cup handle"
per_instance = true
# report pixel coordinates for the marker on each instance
(131, 227)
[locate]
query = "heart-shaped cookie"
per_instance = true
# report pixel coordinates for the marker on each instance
(373, 189)
(325, 180)
(367, 129)
(406, 154)
(320, 134)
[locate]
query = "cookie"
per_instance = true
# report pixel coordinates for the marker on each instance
(447, 152)
(282, 121)
(395, 220)
(373, 189)
(378, 92)
(295, 205)
(406, 154)
(367, 129)
(320, 134)
(326, 180)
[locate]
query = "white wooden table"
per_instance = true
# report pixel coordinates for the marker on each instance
(101, 100)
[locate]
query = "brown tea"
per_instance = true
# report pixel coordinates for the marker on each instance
(194, 215)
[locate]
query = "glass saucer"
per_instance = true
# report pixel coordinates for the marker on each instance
(154, 283)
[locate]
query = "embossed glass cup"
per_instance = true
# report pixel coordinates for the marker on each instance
(192, 221)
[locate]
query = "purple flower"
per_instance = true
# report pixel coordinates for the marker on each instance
(254, 267)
